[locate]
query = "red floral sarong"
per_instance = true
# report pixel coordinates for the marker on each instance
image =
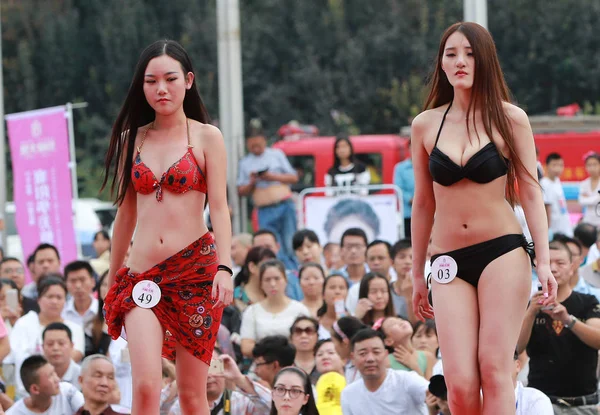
(185, 309)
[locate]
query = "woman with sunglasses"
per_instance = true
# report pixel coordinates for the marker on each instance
(293, 393)
(304, 336)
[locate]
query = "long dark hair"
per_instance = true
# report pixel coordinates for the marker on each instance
(363, 292)
(255, 255)
(98, 322)
(136, 112)
(336, 159)
(310, 407)
(323, 310)
(489, 92)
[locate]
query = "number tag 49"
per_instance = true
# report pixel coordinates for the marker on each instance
(444, 269)
(146, 294)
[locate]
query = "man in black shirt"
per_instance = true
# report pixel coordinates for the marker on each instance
(562, 341)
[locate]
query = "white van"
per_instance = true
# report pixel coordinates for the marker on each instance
(91, 215)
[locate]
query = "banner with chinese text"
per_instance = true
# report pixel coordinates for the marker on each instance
(39, 148)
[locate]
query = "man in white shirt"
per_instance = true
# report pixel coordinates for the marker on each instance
(529, 400)
(46, 259)
(381, 390)
(47, 394)
(554, 196)
(58, 348)
(82, 307)
(353, 250)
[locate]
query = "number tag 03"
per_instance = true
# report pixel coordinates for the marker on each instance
(146, 294)
(444, 269)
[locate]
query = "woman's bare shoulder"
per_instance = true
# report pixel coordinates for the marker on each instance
(426, 117)
(426, 121)
(204, 133)
(515, 114)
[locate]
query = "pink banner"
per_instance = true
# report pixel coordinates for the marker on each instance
(39, 148)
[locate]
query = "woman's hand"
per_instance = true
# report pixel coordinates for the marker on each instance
(11, 315)
(222, 289)
(421, 306)
(549, 286)
(363, 306)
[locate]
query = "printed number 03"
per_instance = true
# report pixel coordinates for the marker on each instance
(145, 298)
(441, 275)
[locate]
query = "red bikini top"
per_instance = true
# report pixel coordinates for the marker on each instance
(182, 176)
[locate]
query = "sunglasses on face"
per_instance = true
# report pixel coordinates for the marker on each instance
(308, 330)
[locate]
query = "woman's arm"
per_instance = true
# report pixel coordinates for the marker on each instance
(423, 200)
(248, 332)
(215, 157)
(587, 196)
(216, 176)
(247, 346)
(532, 200)
(530, 191)
(4, 347)
(125, 222)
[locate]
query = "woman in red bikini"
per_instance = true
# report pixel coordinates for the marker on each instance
(470, 148)
(170, 296)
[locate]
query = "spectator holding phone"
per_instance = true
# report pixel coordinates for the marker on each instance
(10, 306)
(562, 341)
(265, 174)
(335, 290)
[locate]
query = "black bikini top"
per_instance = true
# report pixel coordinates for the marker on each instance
(483, 167)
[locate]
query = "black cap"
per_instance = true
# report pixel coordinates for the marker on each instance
(437, 386)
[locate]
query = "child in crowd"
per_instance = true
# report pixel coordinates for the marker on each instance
(398, 333)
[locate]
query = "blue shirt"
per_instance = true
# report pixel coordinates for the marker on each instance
(293, 289)
(344, 272)
(404, 178)
(584, 287)
(271, 159)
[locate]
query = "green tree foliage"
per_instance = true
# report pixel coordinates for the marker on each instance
(366, 61)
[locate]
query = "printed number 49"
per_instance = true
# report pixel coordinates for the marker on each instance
(145, 298)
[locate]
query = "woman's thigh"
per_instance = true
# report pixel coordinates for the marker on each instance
(457, 322)
(191, 373)
(503, 292)
(145, 340)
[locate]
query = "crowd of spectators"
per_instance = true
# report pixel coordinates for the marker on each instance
(313, 329)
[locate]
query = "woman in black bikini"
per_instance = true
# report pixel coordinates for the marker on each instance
(465, 174)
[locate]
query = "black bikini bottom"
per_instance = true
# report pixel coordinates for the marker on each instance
(472, 260)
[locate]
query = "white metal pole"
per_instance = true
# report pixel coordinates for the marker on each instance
(73, 163)
(231, 104)
(476, 11)
(3, 182)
